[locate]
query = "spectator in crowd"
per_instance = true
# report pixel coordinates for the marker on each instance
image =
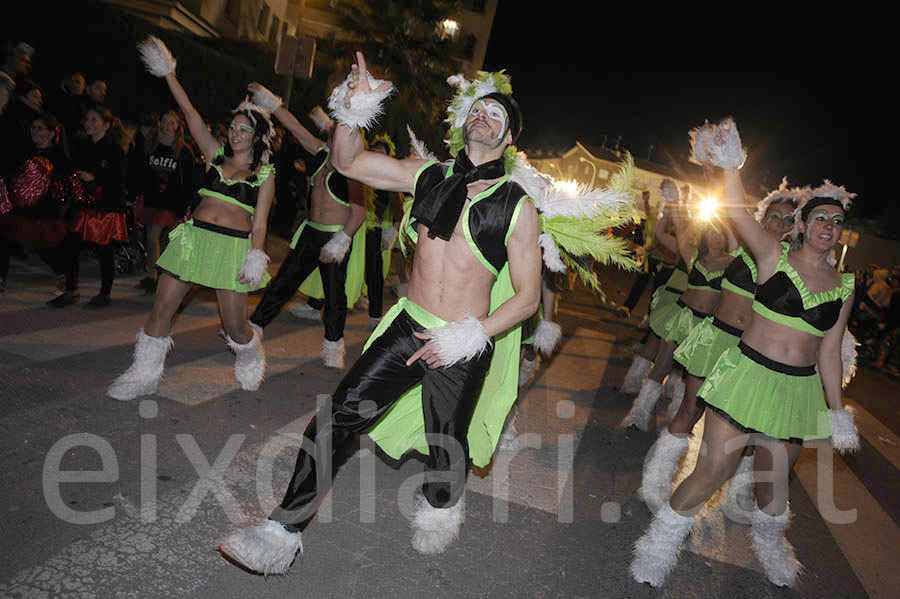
(17, 64)
(96, 91)
(68, 103)
(22, 111)
(161, 181)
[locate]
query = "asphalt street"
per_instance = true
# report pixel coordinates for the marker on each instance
(116, 499)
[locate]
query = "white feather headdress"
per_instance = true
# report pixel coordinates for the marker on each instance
(826, 190)
(782, 194)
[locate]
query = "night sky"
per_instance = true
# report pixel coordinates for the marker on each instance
(808, 99)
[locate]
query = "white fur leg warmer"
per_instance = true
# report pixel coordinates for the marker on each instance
(388, 237)
(336, 247)
(306, 312)
(546, 336)
(249, 361)
(509, 438)
(156, 57)
(526, 369)
(254, 267)
(845, 437)
(434, 529)
(642, 409)
(739, 500)
(333, 353)
(552, 259)
(266, 547)
(142, 377)
(364, 108)
(659, 469)
(460, 340)
(671, 383)
(265, 99)
(635, 375)
(656, 552)
(772, 549)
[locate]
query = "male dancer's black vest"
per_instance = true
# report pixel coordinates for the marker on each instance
(489, 218)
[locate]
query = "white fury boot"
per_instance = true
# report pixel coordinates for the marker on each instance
(333, 353)
(639, 367)
(659, 469)
(142, 377)
(526, 370)
(642, 409)
(249, 360)
(434, 529)
(267, 547)
(656, 552)
(772, 549)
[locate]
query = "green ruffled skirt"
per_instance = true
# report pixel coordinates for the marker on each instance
(674, 323)
(745, 388)
(207, 255)
(703, 346)
(662, 308)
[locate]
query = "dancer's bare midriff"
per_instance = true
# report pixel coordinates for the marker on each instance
(325, 210)
(447, 278)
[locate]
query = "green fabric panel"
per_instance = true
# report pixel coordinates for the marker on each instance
(795, 322)
(726, 284)
(356, 270)
(221, 196)
(677, 280)
(402, 428)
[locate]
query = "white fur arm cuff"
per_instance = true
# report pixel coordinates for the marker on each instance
(552, 259)
(546, 337)
(388, 236)
(364, 108)
(265, 99)
(336, 247)
(254, 267)
(460, 340)
(845, 437)
(156, 57)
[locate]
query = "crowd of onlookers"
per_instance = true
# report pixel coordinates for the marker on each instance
(876, 317)
(77, 179)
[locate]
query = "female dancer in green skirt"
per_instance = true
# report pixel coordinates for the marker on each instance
(221, 247)
(771, 385)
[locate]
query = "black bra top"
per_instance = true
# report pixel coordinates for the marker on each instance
(699, 277)
(740, 275)
(242, 191)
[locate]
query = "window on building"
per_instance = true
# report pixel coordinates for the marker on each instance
(273, 30)
(263, 22)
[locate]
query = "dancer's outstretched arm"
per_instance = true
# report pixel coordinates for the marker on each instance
(370, 168)
(272, 103)
(765, 248)
(207, 143)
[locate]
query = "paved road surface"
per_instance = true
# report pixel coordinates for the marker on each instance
(555, 519)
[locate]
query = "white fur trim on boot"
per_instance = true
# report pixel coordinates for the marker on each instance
(306, 312)
(364, 108)
(249, 361)
(546, 336)
(142, 377)
(635, 375)
(333, 353)
(659, 469)
(642, 409)
(739, 499)
(509, 437)
(526, 370)
(656, 552)
(266, 547)
(460, 340)
(845, 436)
(156, 57)
(434, 529)
(254, 267)
(336, 247)
(677, 398)
(772, 549)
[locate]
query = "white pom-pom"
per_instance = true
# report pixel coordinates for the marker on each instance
(552, 259)
(845, 437)
(460, 340)
(701, 139)
(364, 107)
(156, 57)
(336, 247)
(254, 267)
(726, 151)
(669, 191)
(265, 99)
(546, 337)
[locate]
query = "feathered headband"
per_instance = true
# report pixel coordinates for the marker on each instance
(826, 194)
(249, 109)
(782, 194)
(468, 93)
